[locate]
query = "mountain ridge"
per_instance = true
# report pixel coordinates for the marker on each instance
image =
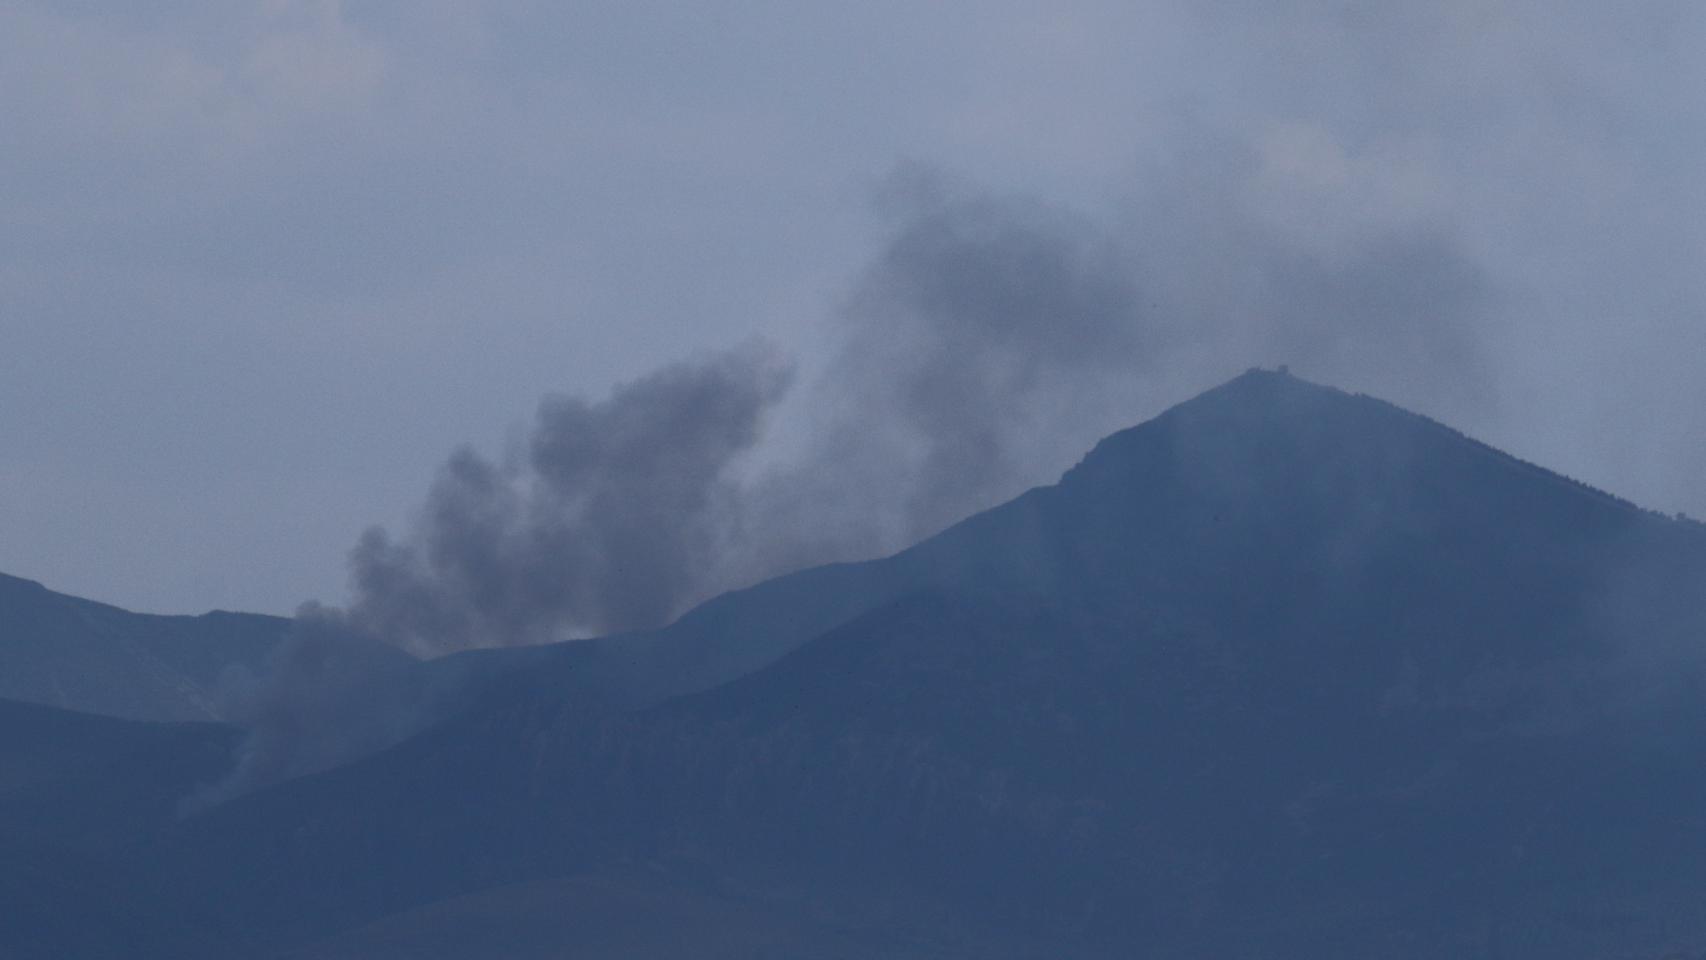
(1124, 711)
(78, 654)
(1275, 673)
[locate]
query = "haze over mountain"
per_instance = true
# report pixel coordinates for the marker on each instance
(1284, 672)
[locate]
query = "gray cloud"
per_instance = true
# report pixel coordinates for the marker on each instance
(976, 307)
(608, 521)
(613, 516)
(961, 338)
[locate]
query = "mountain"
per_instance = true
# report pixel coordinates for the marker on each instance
(76, 654)
(87, 782)
(1284, 672)
(73, 787)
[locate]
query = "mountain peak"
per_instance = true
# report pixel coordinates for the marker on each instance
(1265, 426)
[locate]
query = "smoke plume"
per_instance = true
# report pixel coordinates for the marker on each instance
(989, 342)
(608, 521)
(324, 697)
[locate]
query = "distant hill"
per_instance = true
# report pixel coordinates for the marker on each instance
(74, 787)
(88, 782)
(76, 654)
(1284, 672)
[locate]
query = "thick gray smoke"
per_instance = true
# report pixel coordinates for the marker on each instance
(611, 518)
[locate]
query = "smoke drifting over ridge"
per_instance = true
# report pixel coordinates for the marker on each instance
(991, 340)
(978, 311)
(621, 513)
(989, 343)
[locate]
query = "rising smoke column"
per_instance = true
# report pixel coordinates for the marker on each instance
(989, 340)
(610, 520)
(960, 348)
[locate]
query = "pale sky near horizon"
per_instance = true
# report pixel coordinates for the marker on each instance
(264, 263)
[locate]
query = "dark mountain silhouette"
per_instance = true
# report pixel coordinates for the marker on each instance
(77, 654)
(1283, 672)
(74, 787)
(88, 782)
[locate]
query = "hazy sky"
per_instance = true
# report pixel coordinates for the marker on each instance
(264, 264)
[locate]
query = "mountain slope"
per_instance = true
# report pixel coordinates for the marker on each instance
(73, 787)
(76, 654)
(88, 782)
(1282, 672)
(631, 912)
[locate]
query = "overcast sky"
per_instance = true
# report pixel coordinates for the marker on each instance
(264, 264)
